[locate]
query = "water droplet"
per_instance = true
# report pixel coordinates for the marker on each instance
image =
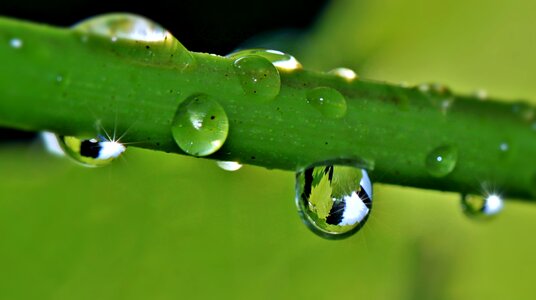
(481, 94)
(15, 43)
(124, 26)
(345, 73)
(334, 200)
(441, 161)
(229, 165)
(160, 45)
(281, 60)
(482, 206)
(51, 143)
(504, 147)
(328, 101)
(94, 152)
(258, 77)
(200, 125)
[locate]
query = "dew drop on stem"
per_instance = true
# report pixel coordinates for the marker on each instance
(200, 125)
(282, 61)
(441, 161)
(330, 102)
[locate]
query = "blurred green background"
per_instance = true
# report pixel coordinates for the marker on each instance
(162, 226)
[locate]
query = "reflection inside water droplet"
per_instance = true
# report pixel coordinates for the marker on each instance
(479, 206)
(94, 152)
(334, 200)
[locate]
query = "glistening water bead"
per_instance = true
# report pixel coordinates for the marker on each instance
(482, 206)
(441, 161)
(333, 200)
(158, 44)
(258, 77)
(95, 152)
(282, 61)
(200, 125)
(328, 101)
(124, 26)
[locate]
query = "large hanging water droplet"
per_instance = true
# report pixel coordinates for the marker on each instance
(258, 77)
(328, 101)
(95, 152)
(333, 200)
(479, 206)
(200, 125)
(441, 161)
(281, 60)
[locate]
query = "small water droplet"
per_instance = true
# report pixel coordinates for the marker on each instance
(441, 161)
(51, 143)
(328, 101)
(200, 126)
(94, 152)
(258, 77)
(345, 73)
(481, 94)
(282, 61)
(15, 43)
(334, 200)
(504, 147)
(482, 206)
(229, 165)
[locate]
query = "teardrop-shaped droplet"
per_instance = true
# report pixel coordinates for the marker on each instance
(258, 77)
(282, 61)
(328, 101)
(94, 152)
(441, 161)
(482, 206)
(158, 43)
(344, 73)
(229, 165)
(200, 125)
(334, 200)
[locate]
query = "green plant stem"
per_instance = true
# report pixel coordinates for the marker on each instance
(56, 81)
